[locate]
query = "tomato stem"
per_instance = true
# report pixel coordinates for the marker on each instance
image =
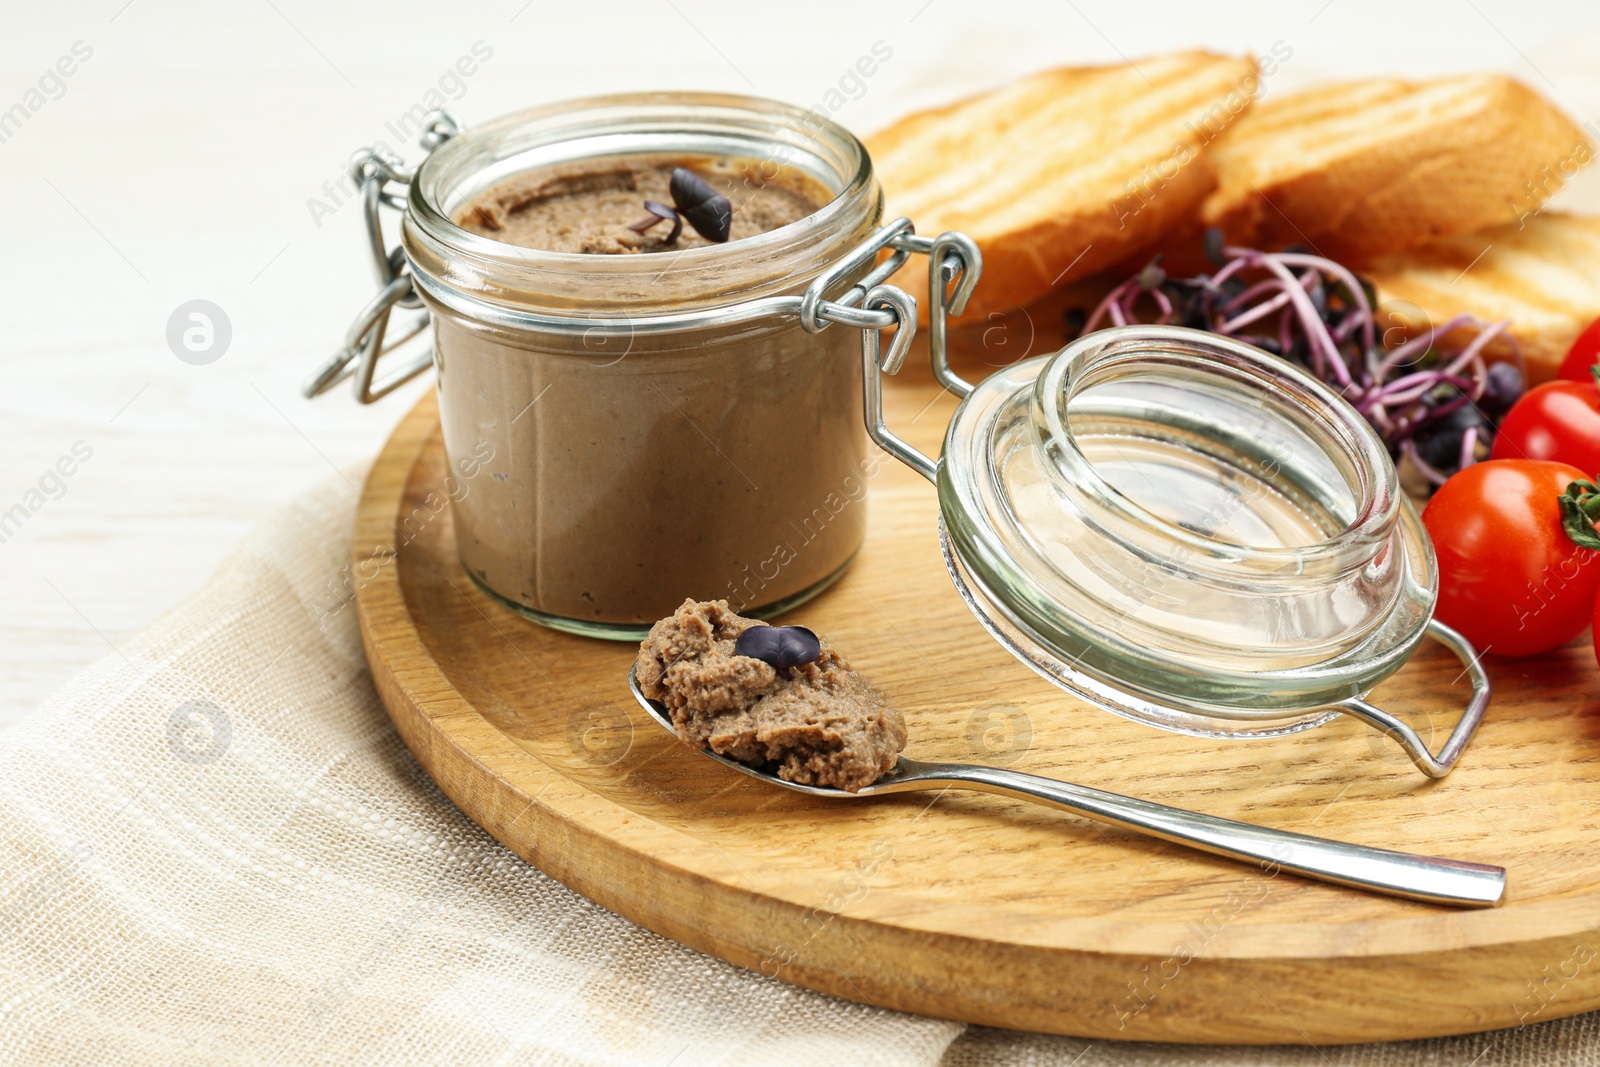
(1580, 506)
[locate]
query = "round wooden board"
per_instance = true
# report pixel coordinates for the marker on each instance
(976, 907)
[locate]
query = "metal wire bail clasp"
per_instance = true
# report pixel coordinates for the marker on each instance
(367, 341)
(1434, 766)
(954, 266)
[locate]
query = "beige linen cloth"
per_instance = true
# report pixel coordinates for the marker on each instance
(215, 849)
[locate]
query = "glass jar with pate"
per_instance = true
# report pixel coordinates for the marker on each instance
(668, 416)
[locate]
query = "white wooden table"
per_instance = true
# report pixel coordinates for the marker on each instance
(178, 160)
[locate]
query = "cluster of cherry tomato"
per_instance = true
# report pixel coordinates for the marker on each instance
(1519, 557)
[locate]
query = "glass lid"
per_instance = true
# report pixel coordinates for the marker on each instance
(1184, 529)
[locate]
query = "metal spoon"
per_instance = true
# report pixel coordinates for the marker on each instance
(1400, 874)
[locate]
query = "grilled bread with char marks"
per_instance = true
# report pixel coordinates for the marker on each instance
(1064, 172)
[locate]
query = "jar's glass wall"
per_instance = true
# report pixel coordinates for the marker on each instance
(627, 474)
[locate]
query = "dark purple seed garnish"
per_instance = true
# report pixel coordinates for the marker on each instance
(1439, 448)
(658, 212)
(1439, 439)
(781, 647)
(707, 210)
(1502, 386)
(1465, 417)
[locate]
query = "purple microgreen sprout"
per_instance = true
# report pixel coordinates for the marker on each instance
(783, 648)
(693, 201)
(658, 212)
(1433, 397)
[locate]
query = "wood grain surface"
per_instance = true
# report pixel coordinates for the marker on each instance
(977, 907)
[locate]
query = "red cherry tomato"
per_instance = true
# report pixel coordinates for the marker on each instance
(1510, 579)
(1582, 356)
(1559, 421)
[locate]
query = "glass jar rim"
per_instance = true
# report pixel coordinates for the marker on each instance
(446, 256)
(1077, 367)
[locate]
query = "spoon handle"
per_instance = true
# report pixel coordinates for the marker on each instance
(1401, 874)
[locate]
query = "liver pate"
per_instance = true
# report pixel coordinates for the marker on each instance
(586, 206)
(823, 724)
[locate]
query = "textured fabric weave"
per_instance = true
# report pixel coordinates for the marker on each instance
(214, 848)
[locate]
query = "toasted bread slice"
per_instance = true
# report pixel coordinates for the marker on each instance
(1544, 276)
(1064, 171)
(1367, 168)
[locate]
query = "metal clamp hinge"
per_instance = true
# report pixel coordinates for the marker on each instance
(368, 341)
(872, 305)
